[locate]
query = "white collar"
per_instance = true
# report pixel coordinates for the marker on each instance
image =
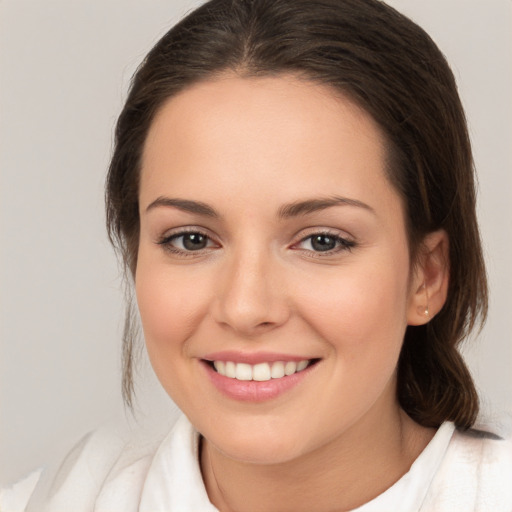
(408, 493)
(174, 481)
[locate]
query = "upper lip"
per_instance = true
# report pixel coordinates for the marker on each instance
(254, 357)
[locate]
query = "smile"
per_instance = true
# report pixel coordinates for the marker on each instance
(260, 372)
(256, 377)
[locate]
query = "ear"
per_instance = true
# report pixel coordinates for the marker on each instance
(430, 279)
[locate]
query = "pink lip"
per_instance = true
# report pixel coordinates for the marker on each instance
(253, 391)
(252, 358)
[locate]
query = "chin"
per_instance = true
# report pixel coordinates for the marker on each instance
(258, 443)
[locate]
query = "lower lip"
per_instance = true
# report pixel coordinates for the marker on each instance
(255, 391)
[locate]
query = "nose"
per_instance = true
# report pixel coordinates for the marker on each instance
(251, 294)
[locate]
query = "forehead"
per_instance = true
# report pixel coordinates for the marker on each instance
(277, 135)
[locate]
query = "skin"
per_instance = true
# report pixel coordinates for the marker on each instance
(248, 147)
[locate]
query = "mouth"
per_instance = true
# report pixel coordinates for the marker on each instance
(260, 372)
(257, 377)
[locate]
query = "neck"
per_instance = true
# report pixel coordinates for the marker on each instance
(343, 474)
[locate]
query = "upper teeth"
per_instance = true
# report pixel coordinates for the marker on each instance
(259, 372)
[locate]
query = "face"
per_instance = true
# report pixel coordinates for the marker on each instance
(273, 265)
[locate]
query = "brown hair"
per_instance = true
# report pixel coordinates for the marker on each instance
(391, 68)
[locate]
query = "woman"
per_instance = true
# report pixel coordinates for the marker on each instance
(287, 190)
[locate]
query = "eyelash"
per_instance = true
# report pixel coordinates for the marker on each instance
(166, 242)
(341, 244)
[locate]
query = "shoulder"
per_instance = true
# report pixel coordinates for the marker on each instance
(14, 498)
(111, 457)
(476, 472)
(485, 455)
(487, 449)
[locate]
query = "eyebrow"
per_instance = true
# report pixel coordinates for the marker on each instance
(294, 209)
(185, 205)
(313, 205)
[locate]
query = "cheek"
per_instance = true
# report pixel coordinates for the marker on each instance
(359, 309)
(360, 314)
(170, 305)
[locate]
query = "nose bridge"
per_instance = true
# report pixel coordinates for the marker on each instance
(250, 297)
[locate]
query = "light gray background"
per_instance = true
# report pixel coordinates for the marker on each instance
(65, 66)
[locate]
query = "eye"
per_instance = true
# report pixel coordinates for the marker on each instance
(187, 242)
(325, 243)
(191, 241)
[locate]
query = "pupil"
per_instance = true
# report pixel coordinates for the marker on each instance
(323, 243)
(194, 241)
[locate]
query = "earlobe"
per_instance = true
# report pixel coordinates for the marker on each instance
(429, 285)
(424, 309)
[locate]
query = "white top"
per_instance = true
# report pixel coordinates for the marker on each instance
(108, 471)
